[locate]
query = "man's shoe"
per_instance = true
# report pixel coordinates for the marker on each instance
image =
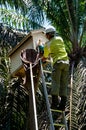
(62, 103)
(55, 102)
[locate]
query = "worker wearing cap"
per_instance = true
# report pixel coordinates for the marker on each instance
(56, 49)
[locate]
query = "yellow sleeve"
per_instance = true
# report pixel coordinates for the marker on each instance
(46, 51)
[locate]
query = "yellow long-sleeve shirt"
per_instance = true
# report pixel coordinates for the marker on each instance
(56, 48)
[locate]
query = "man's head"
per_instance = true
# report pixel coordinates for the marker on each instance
(50, 32)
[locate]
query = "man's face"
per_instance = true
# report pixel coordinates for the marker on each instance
(47, 36)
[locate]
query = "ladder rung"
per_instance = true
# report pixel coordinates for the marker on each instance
(46, 71)
(49, 96)
(53, 110)
(61, 125)
(47, 83)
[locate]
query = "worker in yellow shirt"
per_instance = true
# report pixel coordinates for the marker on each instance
(56, 49)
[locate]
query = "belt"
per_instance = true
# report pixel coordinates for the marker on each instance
(65, 62)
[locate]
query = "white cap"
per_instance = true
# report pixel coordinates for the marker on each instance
(50, 29)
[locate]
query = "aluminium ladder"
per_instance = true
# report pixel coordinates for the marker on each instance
(50, 111)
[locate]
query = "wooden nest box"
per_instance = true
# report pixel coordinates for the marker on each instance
(29, 42)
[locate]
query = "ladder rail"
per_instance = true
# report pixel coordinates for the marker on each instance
(33, 98)
(46, 97)
(64, 120)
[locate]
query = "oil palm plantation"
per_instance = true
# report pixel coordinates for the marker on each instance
(70, 21)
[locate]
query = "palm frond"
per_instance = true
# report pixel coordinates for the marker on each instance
(9, 37)
(15, 116)
(77, 96)
(20, 16)
(81, 89)
(18, 5)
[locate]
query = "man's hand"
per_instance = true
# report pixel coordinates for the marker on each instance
(44, 59)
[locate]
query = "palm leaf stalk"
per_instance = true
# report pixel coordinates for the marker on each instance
(71, 93)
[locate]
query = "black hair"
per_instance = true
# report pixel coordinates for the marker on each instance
(52, 34)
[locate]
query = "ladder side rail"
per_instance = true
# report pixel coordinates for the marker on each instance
(46, 98)
(33, 99)
(64, 120)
